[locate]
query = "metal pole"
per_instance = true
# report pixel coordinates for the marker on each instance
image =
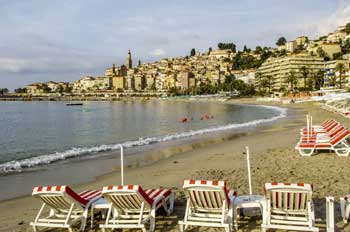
(330, 213)
(249, 176)
(122, 164)
(307, 126)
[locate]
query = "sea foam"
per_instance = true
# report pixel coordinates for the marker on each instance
(21, 165)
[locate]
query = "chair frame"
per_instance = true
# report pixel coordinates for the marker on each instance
(340, 147)
(277, 212)
(64, 210)
(202, 214)
(136, 211)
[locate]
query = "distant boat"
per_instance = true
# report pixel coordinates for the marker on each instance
(74, 104)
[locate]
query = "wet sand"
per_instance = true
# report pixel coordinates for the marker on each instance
(273, 158)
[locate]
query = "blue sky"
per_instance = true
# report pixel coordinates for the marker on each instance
(65, 40)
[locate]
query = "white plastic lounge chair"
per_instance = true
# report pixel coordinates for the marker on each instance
(338, 144)
(324, 137)
(209, 203)
(133, 207)
(288, 207)
(318, 130)
(345, 208)
(66, 207)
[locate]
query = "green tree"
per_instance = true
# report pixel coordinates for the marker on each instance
(3, 91)
(346, 46)
(347, 28)
(46, 89)
(281, 41)
(245, 49)
(292, 79)
(338, 56)
(21, 90)
(319, 79)
(258, 78)
(193, 52)
(340, 68)
(321, 53)
(304, 74)
(230, 46)
(210, 50)
(139, 64)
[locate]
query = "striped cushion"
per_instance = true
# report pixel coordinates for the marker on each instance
(301, 186)
(212, 184)
(149, 195)
(83, 198)
(287, 196)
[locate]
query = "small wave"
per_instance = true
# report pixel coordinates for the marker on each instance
(20, 165)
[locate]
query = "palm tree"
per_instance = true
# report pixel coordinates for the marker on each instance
(258, 78)
(292, 80)
(304, 74)
(340, 67)
(319, 79)
(268, 82)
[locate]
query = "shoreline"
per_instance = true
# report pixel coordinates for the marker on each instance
(108, 161)
(270, 160)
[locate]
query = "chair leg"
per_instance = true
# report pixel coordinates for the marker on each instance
(181, 227)
(153, 220)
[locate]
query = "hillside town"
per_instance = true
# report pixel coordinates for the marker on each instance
(297, 65)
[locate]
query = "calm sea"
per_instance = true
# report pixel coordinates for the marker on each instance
(38, 133)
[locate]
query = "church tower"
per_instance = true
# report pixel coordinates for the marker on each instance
(129, 60)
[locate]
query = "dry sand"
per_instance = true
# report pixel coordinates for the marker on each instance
(273, 158)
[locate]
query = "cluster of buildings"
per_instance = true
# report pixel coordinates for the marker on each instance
(315, 55)
(187, 73)
(182, 73)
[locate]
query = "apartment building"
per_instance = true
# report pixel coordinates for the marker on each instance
(280, 68)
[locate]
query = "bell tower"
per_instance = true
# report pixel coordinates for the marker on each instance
(129, 60)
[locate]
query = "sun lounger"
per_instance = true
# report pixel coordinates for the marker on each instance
(288, 207)
(133, 207)
(338, 144)
(325, 129)
(209, 204)
(324, 137)
(345, 208)
(66, 207)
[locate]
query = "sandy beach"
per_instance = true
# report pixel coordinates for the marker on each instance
(273, 158)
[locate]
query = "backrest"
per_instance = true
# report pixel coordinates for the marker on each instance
(59, 197)
(206, 194)
(343, 134)
(331, 126)
(336, 130)
(128, 197)
(288, 197)
(327, 121)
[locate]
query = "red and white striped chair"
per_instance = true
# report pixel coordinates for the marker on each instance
(337, 143)
(133, 207)
(323, 128)
(345, 208)
(209, 203)
(66, 207)
(288, 207)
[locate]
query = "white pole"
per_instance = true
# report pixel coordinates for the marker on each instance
(330, 213)
(307, 126)
(122, 164)
(249, 176)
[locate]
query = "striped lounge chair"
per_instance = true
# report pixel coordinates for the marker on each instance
(345, 208)
(338, 143)
(133, 207)
(288, 207)
(66, 207)
(209, 204)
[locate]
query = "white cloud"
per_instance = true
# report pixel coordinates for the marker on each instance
(328, 23)
(157, 52)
